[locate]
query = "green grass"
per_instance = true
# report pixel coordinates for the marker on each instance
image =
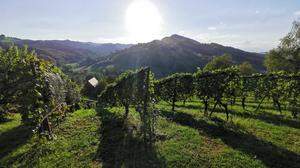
(186, 138)
(77, 141)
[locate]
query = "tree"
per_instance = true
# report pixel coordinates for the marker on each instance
(219, 62)
(246, 69)
(287, 56)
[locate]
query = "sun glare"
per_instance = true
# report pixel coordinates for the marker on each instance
(143, 21)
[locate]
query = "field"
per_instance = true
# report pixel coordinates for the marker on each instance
(185, 138)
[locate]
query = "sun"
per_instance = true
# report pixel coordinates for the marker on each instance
(143, 21)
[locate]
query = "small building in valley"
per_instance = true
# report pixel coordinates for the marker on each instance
(94, 82)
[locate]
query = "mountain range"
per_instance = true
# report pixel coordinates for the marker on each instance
(175, 54)
(64, 51)
(168, 55)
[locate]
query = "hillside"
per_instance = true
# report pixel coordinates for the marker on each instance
(175, 54)
(64, 51)
(171, 54)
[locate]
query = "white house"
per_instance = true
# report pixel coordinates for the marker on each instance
(94, 82)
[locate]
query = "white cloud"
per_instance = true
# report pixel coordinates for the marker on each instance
(257, 12)
(212, 28)
(297, 13)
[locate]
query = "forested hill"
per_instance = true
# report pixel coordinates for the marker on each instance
(171, 54)
(64, 51)
(176, 54)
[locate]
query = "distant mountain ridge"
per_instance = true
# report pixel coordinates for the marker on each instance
(166, 56)
(175, 54)
(64, 51)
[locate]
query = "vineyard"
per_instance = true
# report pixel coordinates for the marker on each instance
(222, 88)
(36, 89)
(222, 115)
(218, 118)
(217, 88)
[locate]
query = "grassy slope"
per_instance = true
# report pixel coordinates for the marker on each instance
(186, 139)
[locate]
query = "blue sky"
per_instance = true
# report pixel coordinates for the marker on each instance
(252, 25)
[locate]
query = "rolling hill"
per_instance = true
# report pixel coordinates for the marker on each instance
(175, 54)
(169, 55)
(64, 51)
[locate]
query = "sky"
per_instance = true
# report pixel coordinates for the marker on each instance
(251, 25)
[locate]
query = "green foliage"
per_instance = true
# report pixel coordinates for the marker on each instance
(21, 80)
(219, 86)
(287, 56)
(127, 89)
(120, 92)
(34, 87)
(73, 96)
(246, 69)
(204, 93)
(133, 89)
(219, 62)
(177, 87)
(280, 87)
(223, 87)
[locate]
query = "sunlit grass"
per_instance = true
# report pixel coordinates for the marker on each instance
(185, 138)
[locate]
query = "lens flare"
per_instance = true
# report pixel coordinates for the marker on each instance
(143, 21)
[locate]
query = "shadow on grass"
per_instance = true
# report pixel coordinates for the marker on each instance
(265, 117)
(234, 136)
(5, 120)
(263, 106)
(14, 138)
(121, 147)
(268, 118)
(189, 106)
(266, 101)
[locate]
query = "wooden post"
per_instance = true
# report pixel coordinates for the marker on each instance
(126, 111)
(243, 102)
(145, 110)
(205, 106)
